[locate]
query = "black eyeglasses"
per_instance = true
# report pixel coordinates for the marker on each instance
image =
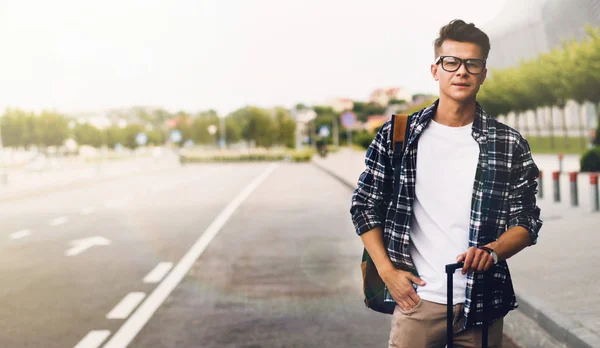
(451, 64)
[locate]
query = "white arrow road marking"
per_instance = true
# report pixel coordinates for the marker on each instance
(93, 339)
(140, 317)
(87, 211)
(126, 306)
(59, 221)
(81, 245)
(20, 234)
(158, 273)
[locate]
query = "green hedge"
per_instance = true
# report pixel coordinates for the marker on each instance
(590, 161)
(294, 156)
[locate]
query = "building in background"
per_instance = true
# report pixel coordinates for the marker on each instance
(526, 29)
(382, 96)
(341, 104)
(375, 121)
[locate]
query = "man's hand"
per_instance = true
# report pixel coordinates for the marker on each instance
(399, 284)
(476, 260)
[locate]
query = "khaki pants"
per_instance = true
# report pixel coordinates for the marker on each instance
(425, 327)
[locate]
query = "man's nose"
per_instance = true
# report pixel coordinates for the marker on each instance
(462, 70)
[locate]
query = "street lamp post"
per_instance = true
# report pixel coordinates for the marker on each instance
(336, 132)
(303, 118)
(212, 130)
(222, 132)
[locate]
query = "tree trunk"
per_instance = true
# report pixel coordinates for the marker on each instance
(563, 111)
(551, 127)
(582, 136)
(536, 121)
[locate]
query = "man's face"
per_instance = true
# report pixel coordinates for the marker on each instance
(461, 85)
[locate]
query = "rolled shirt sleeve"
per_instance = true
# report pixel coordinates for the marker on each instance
(375, 184)
(523, 189)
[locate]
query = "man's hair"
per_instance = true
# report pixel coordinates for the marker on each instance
(458, 30)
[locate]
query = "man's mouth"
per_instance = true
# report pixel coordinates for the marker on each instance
(461, 84)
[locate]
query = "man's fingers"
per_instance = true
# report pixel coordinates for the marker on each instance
(477, 257)
(417, 280)
(468, 260)
(404, 305)
(489, 263)
(409, 300)
(485, 258)
(415, 298)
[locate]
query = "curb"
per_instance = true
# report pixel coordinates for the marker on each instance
(566, 331)
(563, 329)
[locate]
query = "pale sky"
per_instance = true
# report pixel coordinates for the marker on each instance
(85, 56)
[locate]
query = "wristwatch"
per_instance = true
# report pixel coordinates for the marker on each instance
(492, 252)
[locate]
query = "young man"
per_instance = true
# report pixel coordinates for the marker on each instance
(467, 194)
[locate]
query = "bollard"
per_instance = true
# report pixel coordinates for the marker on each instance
(560, 162)
(540, 185)
(574, 196)
(595, 194)
(556, 179)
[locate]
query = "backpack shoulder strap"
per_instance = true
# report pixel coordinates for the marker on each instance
(399, 132)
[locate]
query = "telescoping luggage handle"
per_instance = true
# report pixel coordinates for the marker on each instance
(450, 269)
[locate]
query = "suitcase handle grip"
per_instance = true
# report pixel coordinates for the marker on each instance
(451, 268)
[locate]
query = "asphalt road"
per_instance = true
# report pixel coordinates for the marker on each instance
(213, 255)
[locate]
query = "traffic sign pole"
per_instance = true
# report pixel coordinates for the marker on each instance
(348, 120)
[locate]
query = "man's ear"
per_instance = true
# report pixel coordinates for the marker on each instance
(483, 76)
(434, 72)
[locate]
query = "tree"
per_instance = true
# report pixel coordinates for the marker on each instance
(200, 125)
(584, 65)
(257, 125)
(184, 125)
(17, 128)
(114, 135)
(285, 128)
(364, 110)
(86, 134)
(156, 137)
(130, 134)
(52, 129)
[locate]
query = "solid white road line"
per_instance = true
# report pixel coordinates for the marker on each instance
(136, 322)
(158, 273)
(126, 306)
(93, 339)
(20, 234)
(59, 221)
(87, 211)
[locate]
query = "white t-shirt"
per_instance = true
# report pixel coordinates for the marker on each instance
(446, 165)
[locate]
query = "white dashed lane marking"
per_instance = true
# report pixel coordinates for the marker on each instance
(93, 339)
(87, 211)
(126, 306)
(20, 234)
(59, 221)
(158, 273)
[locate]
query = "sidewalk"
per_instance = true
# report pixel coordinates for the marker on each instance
(558, 280)
(15, 184)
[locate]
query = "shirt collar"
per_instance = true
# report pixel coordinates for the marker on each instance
(479, 128)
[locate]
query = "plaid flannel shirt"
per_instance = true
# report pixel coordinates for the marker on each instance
(503, 196)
